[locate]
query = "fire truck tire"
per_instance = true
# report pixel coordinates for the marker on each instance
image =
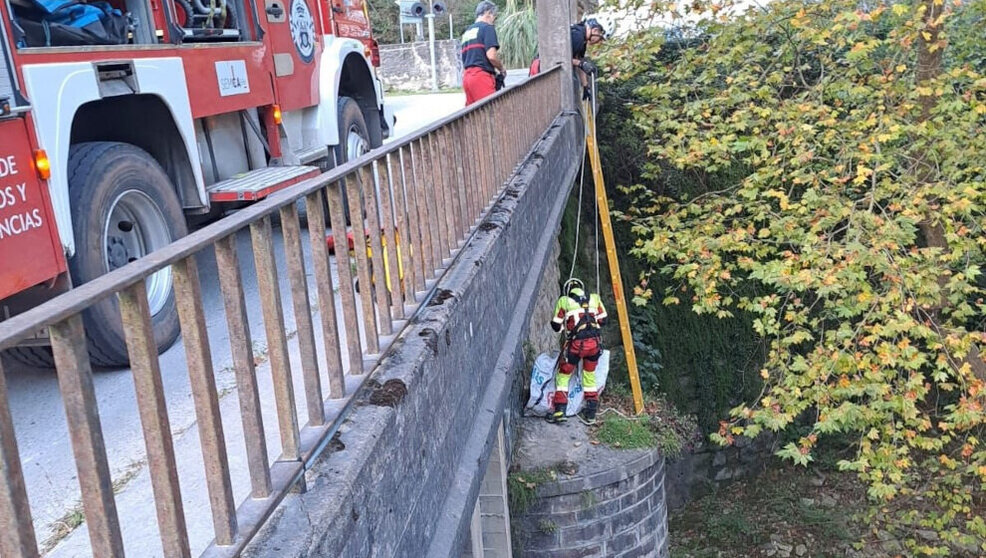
(354, 139)
(112, 183)
(34, 357)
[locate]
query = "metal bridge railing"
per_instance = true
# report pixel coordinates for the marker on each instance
(423, 195)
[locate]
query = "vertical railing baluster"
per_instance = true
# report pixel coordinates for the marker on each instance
(452, 200)
(350, 319)
(475, 159)
(407, 255)
(277, 342)
(462, 192)
(291, 230)
(392, 248)
(422, 193)
(417, 218)
(198, 356)
(241, 348)
(379, 284)
(326, 296)
(146, 372)
(356, 212)
(479, 166)
(68, 344)
(437, 189)
(484, 131)
(16, 528)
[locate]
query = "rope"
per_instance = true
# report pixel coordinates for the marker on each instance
(578, 215)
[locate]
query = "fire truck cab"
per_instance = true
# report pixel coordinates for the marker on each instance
(122, 119)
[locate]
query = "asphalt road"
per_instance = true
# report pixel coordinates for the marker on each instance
(42, 434)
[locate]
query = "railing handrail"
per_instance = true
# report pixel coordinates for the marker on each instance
(26, 324)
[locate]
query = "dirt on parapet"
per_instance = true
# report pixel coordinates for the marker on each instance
(390, 394)
(440, 297)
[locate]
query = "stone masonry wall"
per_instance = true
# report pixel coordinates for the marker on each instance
(407, 66)
(708, 466)
(615, 510)
(403, 474)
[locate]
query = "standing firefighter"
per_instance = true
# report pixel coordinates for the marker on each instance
(479, 55)
(582, 316)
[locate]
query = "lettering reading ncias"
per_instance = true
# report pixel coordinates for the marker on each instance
(15, 220)
(20, 223)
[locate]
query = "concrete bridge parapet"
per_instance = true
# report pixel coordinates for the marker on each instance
(405, 469)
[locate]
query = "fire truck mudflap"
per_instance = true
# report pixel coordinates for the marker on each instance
(30, 252)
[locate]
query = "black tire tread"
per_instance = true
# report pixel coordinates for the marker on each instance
(35, 357)
(83, 157)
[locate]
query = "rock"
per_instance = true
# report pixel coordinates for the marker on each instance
(783, 550)
(724, 474)
(817, 481)
(577, 444)
(927, 534)
(807, 501)
(719, 460)
(801, 550)
(828, 501)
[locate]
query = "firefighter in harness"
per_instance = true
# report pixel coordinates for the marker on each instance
(582, 315)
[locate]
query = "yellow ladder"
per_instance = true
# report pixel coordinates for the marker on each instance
(614, 264)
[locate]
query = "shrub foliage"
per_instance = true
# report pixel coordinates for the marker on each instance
(835, 168)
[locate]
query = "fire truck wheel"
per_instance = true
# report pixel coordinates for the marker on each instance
(123, 208)
(354, 138)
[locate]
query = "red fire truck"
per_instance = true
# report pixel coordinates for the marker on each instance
(120, 121)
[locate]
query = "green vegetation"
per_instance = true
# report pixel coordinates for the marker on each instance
(517, 29)
(787, 508)
(547, 526)
(803, 189)
(625, 433)
(522, 488)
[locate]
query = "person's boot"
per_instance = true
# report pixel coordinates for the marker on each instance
(558, 415)
(588, 414)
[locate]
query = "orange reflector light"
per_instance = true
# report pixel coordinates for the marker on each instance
(41, 164)
(277, 114)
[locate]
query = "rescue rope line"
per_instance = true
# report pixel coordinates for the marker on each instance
(578, 214)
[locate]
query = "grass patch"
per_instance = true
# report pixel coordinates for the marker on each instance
(522, 488)
(626, 433)
(63, 527)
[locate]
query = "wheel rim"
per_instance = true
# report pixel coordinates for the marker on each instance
(136, 227)
(356, 144)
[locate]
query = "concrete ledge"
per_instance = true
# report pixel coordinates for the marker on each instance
(405, 469)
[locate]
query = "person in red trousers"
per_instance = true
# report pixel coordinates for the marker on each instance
(582, 315)
(479, 55)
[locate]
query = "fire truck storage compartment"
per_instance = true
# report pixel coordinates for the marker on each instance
(228, 145)
(67, 23)
(210, 20)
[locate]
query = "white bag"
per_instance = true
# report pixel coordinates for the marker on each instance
(542, 385)
(541, 400)
(576, 392)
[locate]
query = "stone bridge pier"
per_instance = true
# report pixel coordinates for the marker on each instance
(431, 432)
